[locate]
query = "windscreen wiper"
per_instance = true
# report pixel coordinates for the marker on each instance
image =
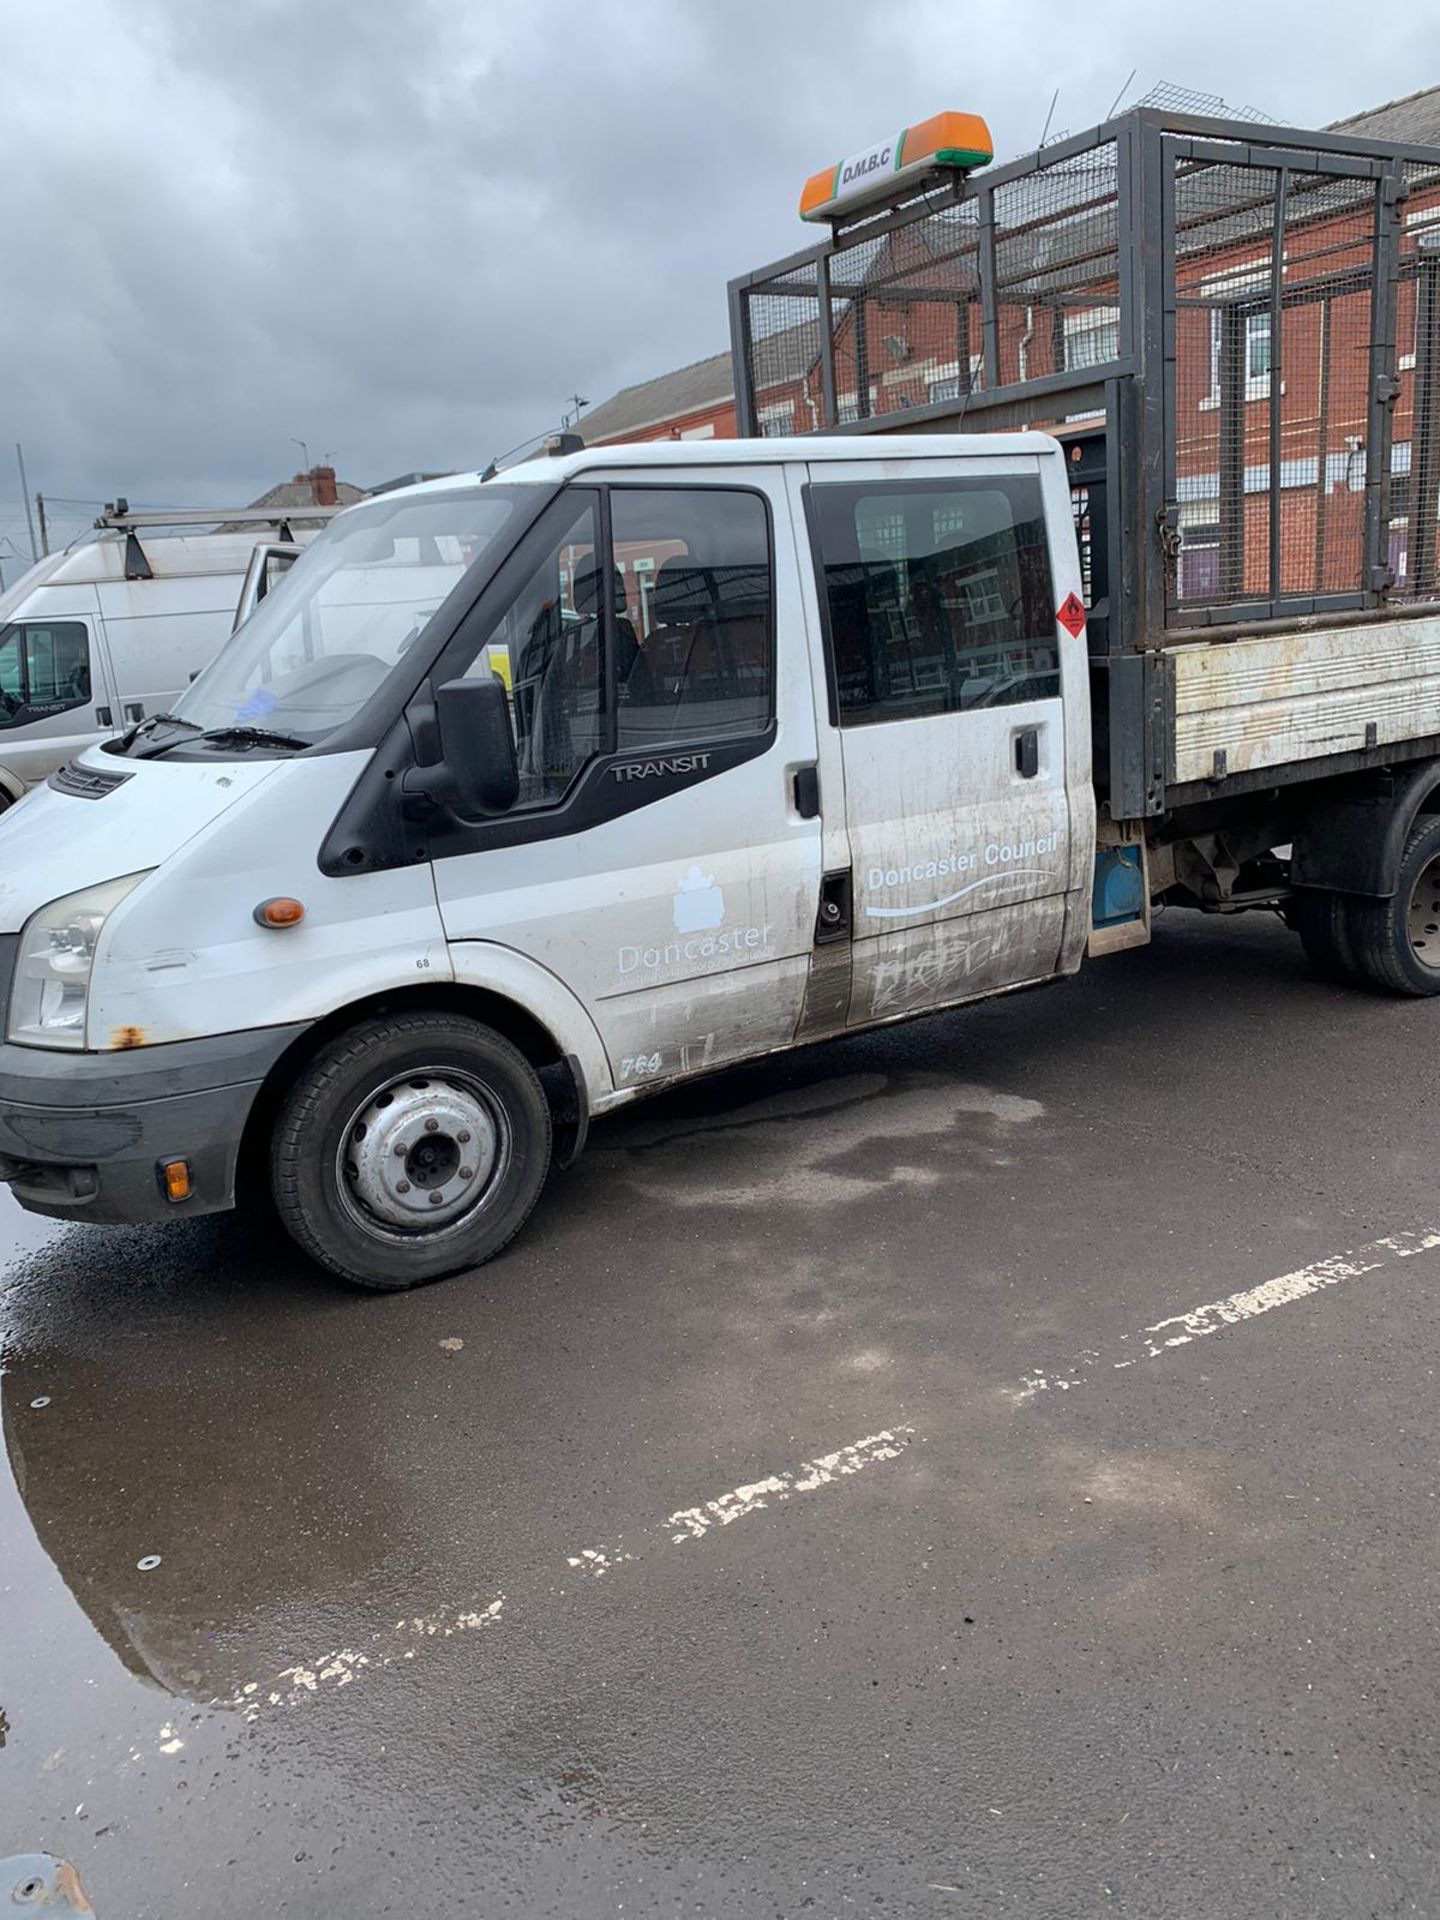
(236, 736)
(150, 720)
(242, 735)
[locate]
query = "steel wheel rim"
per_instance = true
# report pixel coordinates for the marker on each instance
(1422, 920)
(422, 1154)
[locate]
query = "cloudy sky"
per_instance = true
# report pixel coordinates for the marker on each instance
(404, 231)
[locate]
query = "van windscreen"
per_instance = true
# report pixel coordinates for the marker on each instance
(319, 645)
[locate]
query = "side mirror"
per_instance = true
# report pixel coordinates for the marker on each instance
(477, 747)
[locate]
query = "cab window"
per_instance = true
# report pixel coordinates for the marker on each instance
(662, 640)
(548, 646)
(937, 595)
(44, 669)
(693, 627)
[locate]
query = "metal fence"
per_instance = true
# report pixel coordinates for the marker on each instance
(1237, 326)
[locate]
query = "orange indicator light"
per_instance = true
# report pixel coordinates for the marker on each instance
(176, 1176)
(279, 912)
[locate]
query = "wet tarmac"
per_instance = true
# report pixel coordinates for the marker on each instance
(798, 1519)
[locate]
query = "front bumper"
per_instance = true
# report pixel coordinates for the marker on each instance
(83, 1135)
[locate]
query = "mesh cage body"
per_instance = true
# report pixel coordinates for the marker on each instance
(1273, 282)
(1057, 268)
(1246, 317)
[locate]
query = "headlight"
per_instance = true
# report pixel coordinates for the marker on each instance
(52, 976)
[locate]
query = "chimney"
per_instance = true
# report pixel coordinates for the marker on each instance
(322, 485)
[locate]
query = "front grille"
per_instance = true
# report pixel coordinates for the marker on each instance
(86, 783)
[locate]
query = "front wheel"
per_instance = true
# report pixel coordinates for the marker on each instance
(1396, 942)
(410, 1147)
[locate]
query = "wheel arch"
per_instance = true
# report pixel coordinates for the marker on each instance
(1353, 841)
(565, 1074)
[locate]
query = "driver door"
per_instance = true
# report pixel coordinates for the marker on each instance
(657, 862)
(54, 697)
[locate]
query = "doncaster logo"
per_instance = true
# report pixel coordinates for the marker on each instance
(702, 937)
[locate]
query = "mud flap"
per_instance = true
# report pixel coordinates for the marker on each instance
(569, 1113)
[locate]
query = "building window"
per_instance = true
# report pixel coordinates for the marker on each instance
(1092, 337)
(1257, 355)
(1257, 349)
(778, 419)
(1247, 285)
(946, 386)
(938, 596)
(1199, 567)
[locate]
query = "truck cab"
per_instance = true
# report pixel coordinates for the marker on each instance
(514, 800)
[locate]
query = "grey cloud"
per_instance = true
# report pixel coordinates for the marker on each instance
(406, 230)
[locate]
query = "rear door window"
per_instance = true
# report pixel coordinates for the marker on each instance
(937, 595)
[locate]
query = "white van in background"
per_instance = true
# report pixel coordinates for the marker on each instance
(113, 629)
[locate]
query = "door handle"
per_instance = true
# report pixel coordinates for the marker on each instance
(806, 786)
(135, 710)
(104, 717)
(1027, 752)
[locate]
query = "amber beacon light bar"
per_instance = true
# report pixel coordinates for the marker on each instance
(955, 142)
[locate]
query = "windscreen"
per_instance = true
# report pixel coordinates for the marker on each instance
(327, 636)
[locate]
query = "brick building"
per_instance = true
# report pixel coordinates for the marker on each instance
(693, 403)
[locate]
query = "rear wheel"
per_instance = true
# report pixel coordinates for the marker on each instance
(410, 1148)
(1397, 941)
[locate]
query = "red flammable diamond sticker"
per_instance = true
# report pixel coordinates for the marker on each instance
(1072, 615)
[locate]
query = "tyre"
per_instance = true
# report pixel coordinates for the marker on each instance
(410, 1147)
(1397, 941)
(1322, 921)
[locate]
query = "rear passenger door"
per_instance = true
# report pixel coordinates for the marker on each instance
(938, 596)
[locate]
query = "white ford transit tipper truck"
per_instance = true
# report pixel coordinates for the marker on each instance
(515, 800)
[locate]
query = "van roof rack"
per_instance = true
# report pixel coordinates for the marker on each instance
(118, 518)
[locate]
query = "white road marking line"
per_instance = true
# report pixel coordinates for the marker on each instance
(294, 1685)
(1181, 1328)
(597, 1561)
(691, 1523)
(888, 1444)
